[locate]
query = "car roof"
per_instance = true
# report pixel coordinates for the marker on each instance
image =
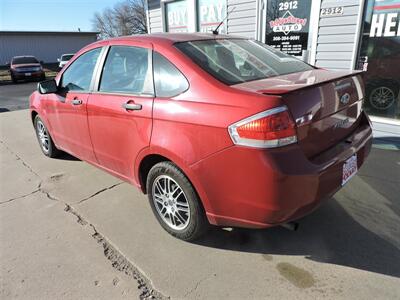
(172, 38)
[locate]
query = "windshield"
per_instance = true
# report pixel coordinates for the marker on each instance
(66, 57)
(235, 61)
(24, 60)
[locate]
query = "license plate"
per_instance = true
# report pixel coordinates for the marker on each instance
(349, 169)
(28, 74)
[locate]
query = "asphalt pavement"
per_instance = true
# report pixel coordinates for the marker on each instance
(71, 231)
(15, 96)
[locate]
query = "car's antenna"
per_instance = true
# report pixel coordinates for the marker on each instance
(215, 31)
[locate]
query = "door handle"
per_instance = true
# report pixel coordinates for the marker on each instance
(132, 106)
(76, 102)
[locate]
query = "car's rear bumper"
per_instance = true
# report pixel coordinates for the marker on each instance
(262, 188)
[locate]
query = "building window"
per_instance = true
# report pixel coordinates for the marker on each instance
(177, 16)
(209, 14)
(379, 54)
(288, 25)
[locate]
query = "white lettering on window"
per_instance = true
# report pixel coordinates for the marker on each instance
(390, 22)
(203, 11)
(211, 13)
(398, 29)
(377, 25)
(219, 9)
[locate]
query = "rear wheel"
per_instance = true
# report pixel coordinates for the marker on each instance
(45, 141)
(175, 202)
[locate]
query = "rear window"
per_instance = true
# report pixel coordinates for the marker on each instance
(235, 61)
(24, 60)
(66, 57)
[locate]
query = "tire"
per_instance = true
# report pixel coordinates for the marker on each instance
(382, 97)
(181, 213)
(13, 79)
(45, 141)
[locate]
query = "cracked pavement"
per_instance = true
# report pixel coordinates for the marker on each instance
(71, 231)
(118, 261)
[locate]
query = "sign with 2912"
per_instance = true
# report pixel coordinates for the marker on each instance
(332, 11)
(288, 25)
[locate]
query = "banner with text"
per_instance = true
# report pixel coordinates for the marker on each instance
(210, 14)
(177, 16)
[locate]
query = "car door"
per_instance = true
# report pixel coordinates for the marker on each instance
(67, 110)
(120, 108)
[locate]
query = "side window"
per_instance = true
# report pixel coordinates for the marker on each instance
(79, 74)
(127, 70)
(168, 80)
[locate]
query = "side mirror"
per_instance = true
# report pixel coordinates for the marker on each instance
(58, 59)
(8, 64)
(47, 87)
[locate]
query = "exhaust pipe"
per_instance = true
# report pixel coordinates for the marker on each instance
(293, 226)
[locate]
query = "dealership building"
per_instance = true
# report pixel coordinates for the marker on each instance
(46, 46)
(331, 34)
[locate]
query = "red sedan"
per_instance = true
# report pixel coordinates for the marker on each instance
(215, 129)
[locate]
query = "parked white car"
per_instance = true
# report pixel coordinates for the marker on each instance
(64, 59)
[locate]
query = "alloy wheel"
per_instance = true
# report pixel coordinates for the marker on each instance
(382, 98)
(171, 202)
(43, 136)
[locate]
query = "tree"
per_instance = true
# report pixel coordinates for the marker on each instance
(125, 18)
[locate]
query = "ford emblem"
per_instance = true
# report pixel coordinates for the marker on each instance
(345, 98)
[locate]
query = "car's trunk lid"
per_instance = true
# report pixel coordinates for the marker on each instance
(326, 105)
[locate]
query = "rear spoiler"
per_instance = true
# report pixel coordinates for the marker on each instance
(311, 81)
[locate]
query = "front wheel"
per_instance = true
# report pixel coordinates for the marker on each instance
(175, 202)
(45, 141)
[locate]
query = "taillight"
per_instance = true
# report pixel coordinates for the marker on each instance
(268, 129)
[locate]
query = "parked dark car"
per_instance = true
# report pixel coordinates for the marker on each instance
(215, 129)
(26, 68)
